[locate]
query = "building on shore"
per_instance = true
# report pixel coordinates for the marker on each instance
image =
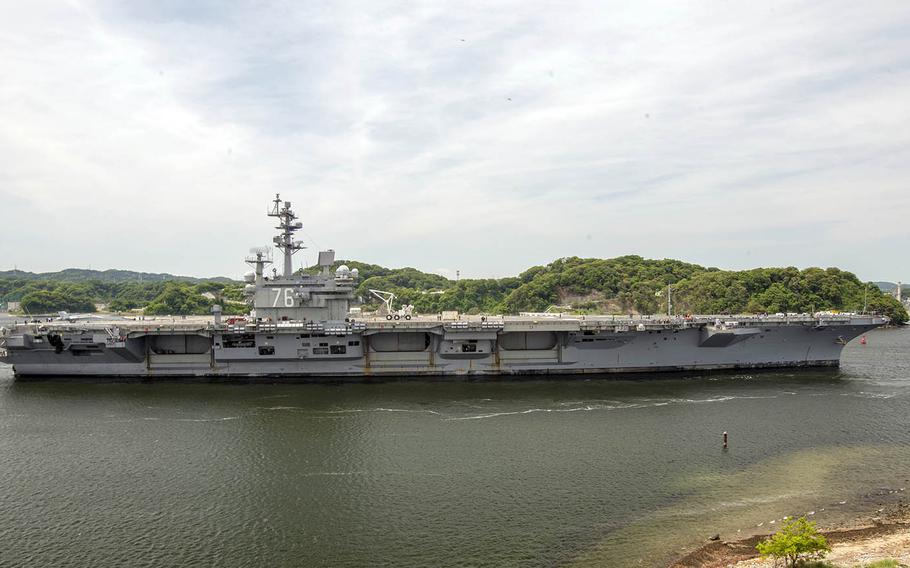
(898, 293)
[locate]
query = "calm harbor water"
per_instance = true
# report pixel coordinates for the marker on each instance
(539, 473)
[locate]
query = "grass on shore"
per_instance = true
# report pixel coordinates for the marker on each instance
(883, 564)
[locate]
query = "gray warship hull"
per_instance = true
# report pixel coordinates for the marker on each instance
(303, 325)
(422, 347)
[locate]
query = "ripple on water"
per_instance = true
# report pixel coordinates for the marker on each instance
(598, 472)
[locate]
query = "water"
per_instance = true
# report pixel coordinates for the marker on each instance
(543, 473)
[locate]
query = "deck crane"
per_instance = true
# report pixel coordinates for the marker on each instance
(387, 309)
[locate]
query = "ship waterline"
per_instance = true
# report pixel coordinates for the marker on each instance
(306, 326)
(424, 347)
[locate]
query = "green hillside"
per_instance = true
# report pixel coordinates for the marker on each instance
(41, 296)
(112, 275)
(890, 287)
(632, 284)
(627, 284)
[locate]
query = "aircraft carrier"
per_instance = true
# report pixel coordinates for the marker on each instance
(308, 326)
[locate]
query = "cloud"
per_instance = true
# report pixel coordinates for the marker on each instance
(485, 138)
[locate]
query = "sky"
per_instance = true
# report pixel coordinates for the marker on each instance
(481, 137)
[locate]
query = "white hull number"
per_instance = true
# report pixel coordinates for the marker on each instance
(287, 294)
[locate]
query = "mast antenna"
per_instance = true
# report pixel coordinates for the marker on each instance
(288, 225)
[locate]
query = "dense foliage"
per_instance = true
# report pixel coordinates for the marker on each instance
(773, 290)
(61, 298)
(171, 297)
(627, 284)
(85, 275)
(632, 284)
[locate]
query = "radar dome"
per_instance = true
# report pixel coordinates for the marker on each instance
(343, 269)
(249, 276)
(354, 273)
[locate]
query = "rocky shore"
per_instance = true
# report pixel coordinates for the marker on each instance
(884, 533)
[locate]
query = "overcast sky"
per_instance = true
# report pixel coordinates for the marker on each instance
(484, 137)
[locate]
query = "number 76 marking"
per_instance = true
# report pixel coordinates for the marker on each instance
(287, 294)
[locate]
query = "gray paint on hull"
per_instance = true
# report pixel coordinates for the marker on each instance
(639, 352)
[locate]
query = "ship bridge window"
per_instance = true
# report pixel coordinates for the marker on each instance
(267, 350)
(339, 349)
(353, 343)
(469, 347)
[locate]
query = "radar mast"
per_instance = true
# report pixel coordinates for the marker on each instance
(259, 257)
(288, 225)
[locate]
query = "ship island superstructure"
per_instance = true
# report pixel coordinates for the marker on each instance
(308, 326)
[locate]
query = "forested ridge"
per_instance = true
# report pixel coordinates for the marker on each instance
(111, 275)
(39, 296)
(632, 284)
(627, 284)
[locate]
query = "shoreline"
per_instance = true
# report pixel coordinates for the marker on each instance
(883, 533)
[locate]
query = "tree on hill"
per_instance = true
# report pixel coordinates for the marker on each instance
(109, 276)
(773, 290)
(366, 270)
(632, 280)
(47, 301)
(178, 299)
